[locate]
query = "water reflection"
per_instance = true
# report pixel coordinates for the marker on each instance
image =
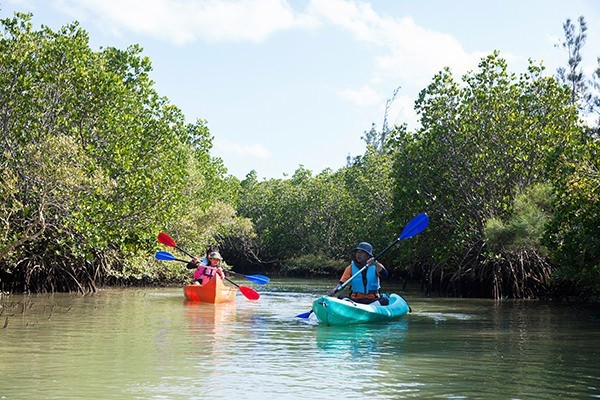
(360, 340)
(150, 344)
(209, 319)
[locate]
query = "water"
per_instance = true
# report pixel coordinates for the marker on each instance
(150, 344)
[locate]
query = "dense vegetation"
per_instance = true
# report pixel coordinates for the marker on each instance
(95, 163)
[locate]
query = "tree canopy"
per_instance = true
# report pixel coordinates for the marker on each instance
(94, 161)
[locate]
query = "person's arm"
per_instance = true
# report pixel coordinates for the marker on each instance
(345, 276)
(193, 264)
(381, 270)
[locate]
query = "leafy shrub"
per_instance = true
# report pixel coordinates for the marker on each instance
(312, 265)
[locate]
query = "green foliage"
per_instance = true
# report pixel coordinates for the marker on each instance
(218, 225)
(525, 227)
(573, 233)
(479, 141)
(94, 161)
(493, 163)
(285, 210)
(313, 266)
(324, 214)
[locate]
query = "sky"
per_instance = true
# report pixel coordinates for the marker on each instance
(288, 83)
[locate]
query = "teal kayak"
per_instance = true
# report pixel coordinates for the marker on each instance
(334, 311)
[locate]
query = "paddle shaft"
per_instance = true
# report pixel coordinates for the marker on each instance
(184, 252)
(233, 283)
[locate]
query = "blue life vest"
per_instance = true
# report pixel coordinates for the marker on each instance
(358, 286)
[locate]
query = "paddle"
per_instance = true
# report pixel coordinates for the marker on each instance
(168, 241)
(165, 239)
(414, 227)
(258, 279)
(166, 256)
(250, 293)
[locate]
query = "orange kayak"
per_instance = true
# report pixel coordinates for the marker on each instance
(214, 291)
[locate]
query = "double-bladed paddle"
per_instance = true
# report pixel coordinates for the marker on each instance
(167, 240)
(258, 279)
(414, 227)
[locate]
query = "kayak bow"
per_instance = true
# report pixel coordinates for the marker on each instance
(214, 291)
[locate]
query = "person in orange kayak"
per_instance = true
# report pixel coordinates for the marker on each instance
(365, 287)
(208, 267)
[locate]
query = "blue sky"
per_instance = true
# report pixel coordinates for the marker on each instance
(289, 83)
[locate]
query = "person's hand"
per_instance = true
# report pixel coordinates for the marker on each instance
(371, 261)
(195, 263)
(199, 262)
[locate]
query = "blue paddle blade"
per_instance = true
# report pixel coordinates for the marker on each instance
(258, 279)
(415, 226)
(164, 256)
(305, 315)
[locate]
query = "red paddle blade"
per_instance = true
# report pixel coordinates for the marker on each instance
(250, 293)
(166, 240)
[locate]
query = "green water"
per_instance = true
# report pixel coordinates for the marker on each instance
(150, 344)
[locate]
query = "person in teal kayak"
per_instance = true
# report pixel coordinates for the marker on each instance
(364, 288)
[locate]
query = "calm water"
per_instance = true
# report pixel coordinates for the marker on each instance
(150, 344)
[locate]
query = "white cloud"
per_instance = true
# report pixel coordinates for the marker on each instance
(409, 51)
(419, 53)
(181, 21)
(358, 18)
(236, 149)
(409, 55)
(364, 97)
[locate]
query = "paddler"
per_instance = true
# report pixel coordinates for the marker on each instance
(365, 287)
(203, 272)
